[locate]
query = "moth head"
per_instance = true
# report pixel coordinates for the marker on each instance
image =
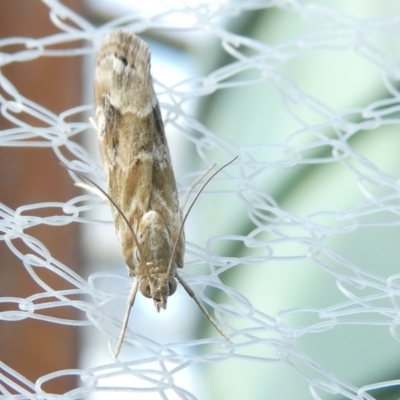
(158, 287)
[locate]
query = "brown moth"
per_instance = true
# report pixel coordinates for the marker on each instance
(137, 164)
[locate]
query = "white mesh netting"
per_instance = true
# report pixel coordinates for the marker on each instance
(296, 242)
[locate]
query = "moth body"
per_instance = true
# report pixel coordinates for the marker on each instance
(155, 243)
(138, 165)
(140, 179)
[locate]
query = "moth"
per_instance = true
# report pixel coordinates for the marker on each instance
(137, 163)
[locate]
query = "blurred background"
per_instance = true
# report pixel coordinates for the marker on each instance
(295, 154)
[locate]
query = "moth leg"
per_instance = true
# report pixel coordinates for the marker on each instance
(131, 300)
(190, 292)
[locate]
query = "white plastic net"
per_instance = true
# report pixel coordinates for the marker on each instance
(301, 240)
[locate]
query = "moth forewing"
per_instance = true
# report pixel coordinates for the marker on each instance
(137, 164)
(136, 158)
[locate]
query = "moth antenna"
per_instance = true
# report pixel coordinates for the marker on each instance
(187, 288)
(193, 185)
(190, 208)
(110, 200)
(134, 289)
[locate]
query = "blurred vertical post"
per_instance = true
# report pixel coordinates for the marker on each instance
(33, 175)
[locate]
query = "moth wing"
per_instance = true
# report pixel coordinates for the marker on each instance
(164, 194)
(124, 96)
(132, 141)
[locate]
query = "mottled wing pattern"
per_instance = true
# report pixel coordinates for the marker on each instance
(141, 183)
(135, 153)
